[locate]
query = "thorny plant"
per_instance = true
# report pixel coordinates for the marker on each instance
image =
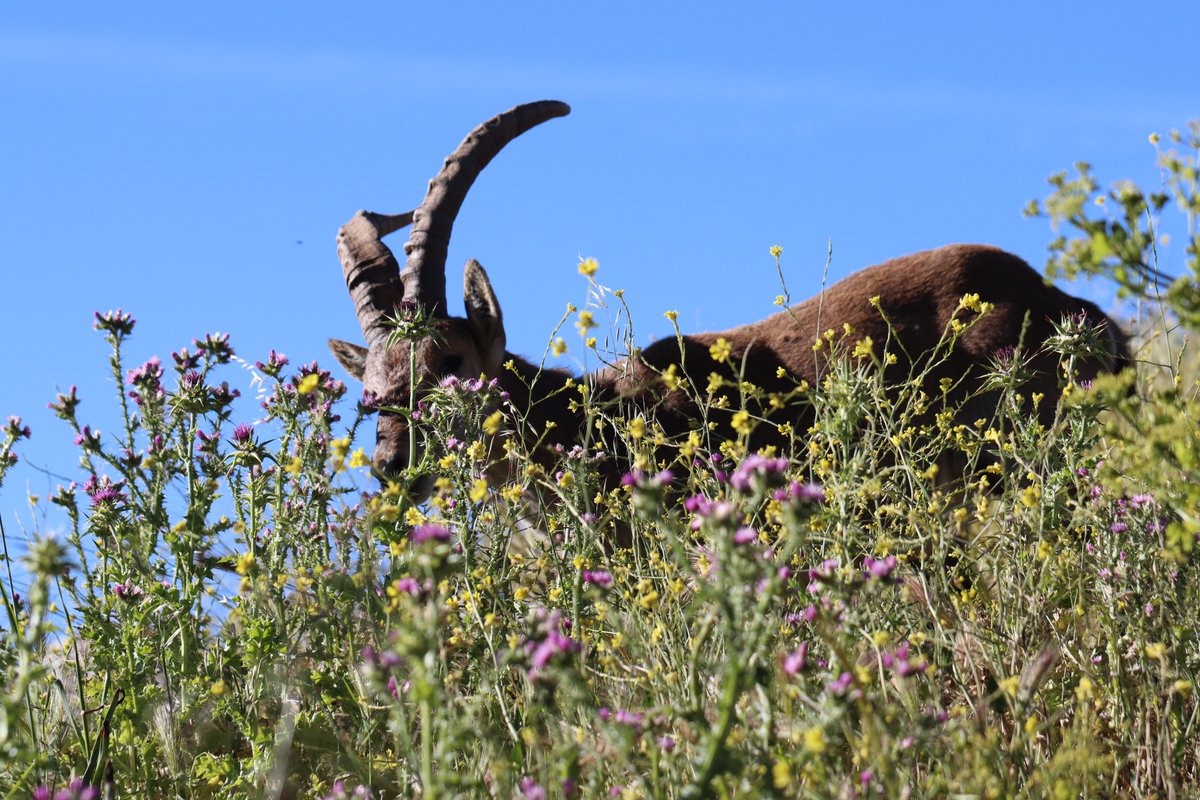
(892, 603)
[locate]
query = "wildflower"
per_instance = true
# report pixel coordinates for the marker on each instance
(757, 471)
(637, 427)
(671, 315)
(558, 346)
(814, 740)
(530, 789)
(776, 251)
(781, 774)
(491, 425)
(426, 533)
(118, 323)
(720, 351)
(598, 577)
(128, 591)
(745, 535)
(308, 384)
(274, 364)
(585, 322)
(555, 643)
(588, 266)
(795, 661)
(242, 434)
(878, 569)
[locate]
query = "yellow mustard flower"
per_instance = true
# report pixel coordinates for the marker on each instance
(491, 425)
(308, 384)
(720, 351)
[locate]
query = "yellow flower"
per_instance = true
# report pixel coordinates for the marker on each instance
(293, 466)
(637, 427)
(308, 383)
(1157, 651)
(491, 425)
(591, 342)
(558, 346)
(863, 347)
(671, 379)
(245, 563)
(780, 299)
(781, 772)
(447, 461)
(721, 350)
(741, 422)
(671, 315)
(776, 251)
(219, 688)
(1085, 690)
(586, 322)
(413, 517)
(340, 447)
(359, 459)
(588, 266)
(814, 740)
(478, 490)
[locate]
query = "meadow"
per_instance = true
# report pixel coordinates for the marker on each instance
(236, 610)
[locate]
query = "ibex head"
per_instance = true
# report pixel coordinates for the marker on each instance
(381, 292)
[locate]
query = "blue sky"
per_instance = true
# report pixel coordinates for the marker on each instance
(191, 164)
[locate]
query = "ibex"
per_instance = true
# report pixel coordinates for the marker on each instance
(907, 303)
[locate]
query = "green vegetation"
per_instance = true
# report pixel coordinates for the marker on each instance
(228, 616)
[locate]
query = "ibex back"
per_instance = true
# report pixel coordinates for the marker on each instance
(907, 303)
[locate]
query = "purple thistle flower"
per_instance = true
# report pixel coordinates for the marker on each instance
(242, 434)
(631, 718)
(425, 533)
(274, 364)
(633, 477)
(745, 535)
(840, 684)
(879, 569)
(597, 577)
(127, 591)
(15, 430)
(531, 790)
(757, 470)
(118, 323)
(795, 661)
(409, 586)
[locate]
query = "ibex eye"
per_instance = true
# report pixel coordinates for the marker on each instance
(451, 365)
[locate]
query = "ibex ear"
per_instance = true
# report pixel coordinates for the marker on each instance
(352, 357)
(483, 311)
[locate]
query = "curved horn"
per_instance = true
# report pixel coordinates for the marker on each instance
(371, 272)
(424, 275)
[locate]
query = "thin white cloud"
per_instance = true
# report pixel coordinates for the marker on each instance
(360, 72)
